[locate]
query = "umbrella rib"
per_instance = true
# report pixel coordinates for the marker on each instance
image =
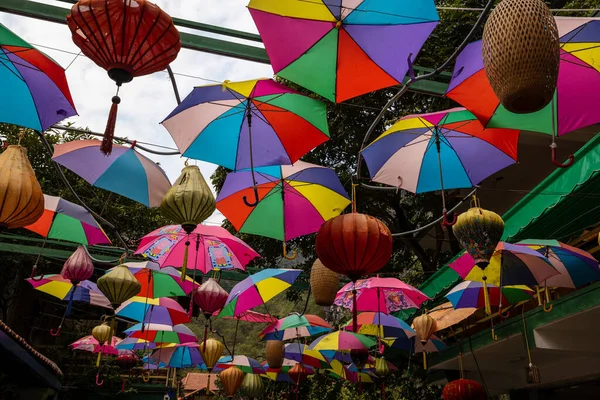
(10, 69)
(369, 11)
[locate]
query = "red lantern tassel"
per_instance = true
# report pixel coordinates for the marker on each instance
(109, 133)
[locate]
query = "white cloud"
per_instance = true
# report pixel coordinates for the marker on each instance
(146, 100)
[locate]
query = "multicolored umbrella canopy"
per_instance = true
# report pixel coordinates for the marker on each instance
(298, 352)
(295, 199)
(443, 150)
(281, 374)
(161, 333)
(385, 295)
(246, 364)
(577, 267)
(341, 371)
(469, 294)
(159, 282)
(59, 287)
(217, 248)
(257, 289)
(253, 317)
(153, 311)
(341, 49)
(63, 220)
(125, 171)
(247, 124)
(295, 326)
(445, 315)
(135, 344)
(89, 344)
(577, 93)
(35, 93)
(342, 341)
(381, 325)
(433, 345)
(185, 355)
(510, 265)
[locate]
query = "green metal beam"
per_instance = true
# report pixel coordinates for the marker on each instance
(205, 44)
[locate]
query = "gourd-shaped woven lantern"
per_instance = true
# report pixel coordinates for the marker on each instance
(275, 352)
(78, 267)
(298, 373)
(21, 197)
(354, 245)
(189, 201)
(231, 379)
(324, 284)
(382, 369)
(253, 386)
(521, 54)
(119, 285)
(464, 389)
(128, 38)
(211, 350)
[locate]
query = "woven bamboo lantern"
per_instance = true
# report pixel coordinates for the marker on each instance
(22, 200)
(127, 38)
(78, 267)
(324, 284)
(211, 350)
(382, 369)
(189, 201)
(275, 352)
(253, 386)
(119, 285)
(521, 54)
(231, 379)
(464, 389)
(342, 245)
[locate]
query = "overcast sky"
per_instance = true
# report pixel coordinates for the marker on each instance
(146, 100)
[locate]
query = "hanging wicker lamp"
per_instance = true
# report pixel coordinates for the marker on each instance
(324, 284)
(119, 285)
(21, 197)
(128, 38)
(78, 267)
(253, 386)
(464, 389)
(211, 350)
(231, 379)
(521, 54)
(275, 352)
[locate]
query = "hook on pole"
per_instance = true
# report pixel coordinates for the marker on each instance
(569, 162)
(291, 256)
(99, 382)
(255, 202)
(33, 277)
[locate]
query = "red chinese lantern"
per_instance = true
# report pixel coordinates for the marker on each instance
(464, 389)
(354, 245)
(127, 38)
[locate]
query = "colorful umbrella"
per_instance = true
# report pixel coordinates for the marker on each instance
(35, 93)
(160, 282)
(298, 352)
(468, 294)
(211, 247)
(135, 344)
(342, 341)
(161, 333)
(577, 267)
(433, 345)
(153, 311)
(295, 199)
(295, 326)
(510, 265)
(125, 171)
(253, 316)
(89, 344)
(257, 289)
(185, 355)
(341, 371)
(247, 124)
(443, 150)
(341, 49)
(381, 325)
(246, 364)
(574, 103)
(380, 295)
(57, 286)
(281, 374)
(68, 221)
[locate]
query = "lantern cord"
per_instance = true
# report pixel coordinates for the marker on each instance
(479, 369)
(237, 324)
(412, 81)
(174, 83)
(307, 299)
(526, 335)
(81, 202)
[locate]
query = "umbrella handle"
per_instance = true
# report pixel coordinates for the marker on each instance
(255, 202)
(557, 163)
(54, 332)
(291, 256)
(447, 223)
(98, 381)
(32, 276)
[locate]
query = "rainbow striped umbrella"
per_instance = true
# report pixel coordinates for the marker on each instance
(162, 333)
(135, 344)
(342, 341)
(59, 287)
(381, 325)
(160, 311)
(68, 221)
(160, 282)
(185, 355)
(295, 199)
(295, 326)
(469, 294)
(298, 352)
(246, 364)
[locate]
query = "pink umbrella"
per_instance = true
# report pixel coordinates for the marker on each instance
(253, 316)
(90, 344)
(385, 295)
(209, 247)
